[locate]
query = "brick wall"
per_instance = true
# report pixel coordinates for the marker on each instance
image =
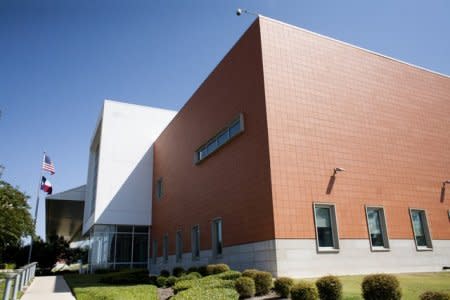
(334, 105)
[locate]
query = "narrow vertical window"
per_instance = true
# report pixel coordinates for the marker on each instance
(154, 251)
(376, 222)
(421, 230)
(166, 248)
(217, 237)
(326, 227)
(159, 188)
(195, 242)
(179, 246)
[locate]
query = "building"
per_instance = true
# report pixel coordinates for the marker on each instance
(299, 154)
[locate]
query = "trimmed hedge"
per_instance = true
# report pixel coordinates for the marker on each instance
(204, 283)
(216, 269)
(381, 286)
(209, 294)
(263, 280)
(282, 286)
(161, 281)
(171, 280)
(178, 271)
(190, 276)
(192, 270)
(125, 277)
(329, 288)
(434, 296)
(229, 275)
(304, 290)
(164, 273)
(203, 270)
(245, 286)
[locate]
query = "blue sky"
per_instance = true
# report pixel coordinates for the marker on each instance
(60, 59)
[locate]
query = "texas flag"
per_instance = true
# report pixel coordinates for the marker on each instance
(46, 186)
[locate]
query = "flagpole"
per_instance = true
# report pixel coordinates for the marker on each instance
(36, 209)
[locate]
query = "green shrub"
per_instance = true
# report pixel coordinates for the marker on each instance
(161, 281)
(434, 296)
(245, 286)
(190, 276)
(381, 287)
(171, 281)
(152, 279)
(216, 269)
(282, 286)
(104, 271)
(182, 285)
(192, 270)
(304, 290)
(263, 280)
(329, 288)
(229, 275)
(178, 271)
(124, 277)
(209, 294)
(204, 283)
(263, 283)
(250, 273)
(203, 270)
(164, 273)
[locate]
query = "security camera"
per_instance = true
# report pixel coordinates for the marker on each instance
(339, 169)
(238, 12)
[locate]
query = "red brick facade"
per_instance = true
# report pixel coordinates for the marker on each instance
(310, 104)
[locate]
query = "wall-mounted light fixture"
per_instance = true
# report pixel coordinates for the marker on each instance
(443, 190)
(337, 169)
(333, 179)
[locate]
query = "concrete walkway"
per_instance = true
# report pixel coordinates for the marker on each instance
(48, 288)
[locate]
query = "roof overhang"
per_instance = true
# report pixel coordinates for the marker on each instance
(64, 214)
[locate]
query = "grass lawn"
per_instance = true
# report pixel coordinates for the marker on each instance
(412, 284)
(87, 287)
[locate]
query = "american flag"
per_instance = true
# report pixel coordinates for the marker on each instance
(47, 164)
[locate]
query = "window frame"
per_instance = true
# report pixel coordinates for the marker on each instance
(426, 228)
(165, 248)
(384, 229)
(154, 251)
(197, 242)
(214, 238)
(179, 246)
(334, 228)
(198, 157)
(159, 188)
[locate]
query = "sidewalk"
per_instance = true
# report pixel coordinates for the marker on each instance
(48, 288)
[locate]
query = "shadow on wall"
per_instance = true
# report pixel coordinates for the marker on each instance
(131, 205)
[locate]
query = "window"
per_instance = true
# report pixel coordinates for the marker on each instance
(159, 188)
(179, 246)
(154, 251)
(195, 242)
(166, 248)
(220, 139)
(326, 227)
(217, 237)
(421, 229)
(376, 223)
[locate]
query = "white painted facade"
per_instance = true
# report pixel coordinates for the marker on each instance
(120, 192)
(298, 258)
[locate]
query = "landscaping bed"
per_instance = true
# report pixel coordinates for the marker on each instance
(87, 287)
(220, 283)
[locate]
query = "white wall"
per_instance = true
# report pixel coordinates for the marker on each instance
(298, 258)
(125, 171)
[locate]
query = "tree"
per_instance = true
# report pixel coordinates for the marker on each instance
(15, 219)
